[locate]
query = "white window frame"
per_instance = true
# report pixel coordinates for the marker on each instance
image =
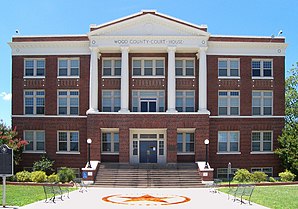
(112, 132)
(34, 150)
(184, 98)
(68, 97)
(139, 99)
(68, 143)
(262, 69)
(184, 67)
(228, 143)
(228, 97)
(34, 96)
(262, 97)
(113, 65)
(35, 68)
(153, 67)
(262, 142)
(184, 132)
(228, 60)
(233, 171)
(254, 169)
(112, 99)
(68, 67)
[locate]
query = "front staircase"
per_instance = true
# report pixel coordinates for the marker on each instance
(180, 175)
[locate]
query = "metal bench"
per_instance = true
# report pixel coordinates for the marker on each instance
(244, 190)
(83, 187)
(53, 191)
(214, 186)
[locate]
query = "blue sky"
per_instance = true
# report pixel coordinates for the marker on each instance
(225, 17)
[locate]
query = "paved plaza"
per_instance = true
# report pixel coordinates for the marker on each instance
(143, 198)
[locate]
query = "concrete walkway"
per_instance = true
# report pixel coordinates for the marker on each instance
(115, 198)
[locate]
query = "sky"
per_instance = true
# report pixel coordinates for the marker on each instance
(223, 17)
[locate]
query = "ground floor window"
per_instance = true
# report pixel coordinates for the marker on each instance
(267, 170)
(222, 173)
(110, 142)
(68, 141)
(185, 142)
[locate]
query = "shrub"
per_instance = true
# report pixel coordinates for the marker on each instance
(259, 176)
(287, 176)
(23, 176)
(66, 175)
(44, 164)
(242, 175)
(38, 176)
(53, 178)
(271, 179)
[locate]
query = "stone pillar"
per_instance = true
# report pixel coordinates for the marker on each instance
(203, 80)
(171, 80)
(124, 80)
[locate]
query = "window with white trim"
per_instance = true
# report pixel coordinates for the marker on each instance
(228, 102)
(148, 101)
(148, 67)
(34, 102)
(185, 101)
(262, 102)
(261, 141)
(111, 67)
(68, 141)
(228, 67)
(262, 68)
(266, 170)
(185, 67)
(185, 142)
(228, 141)
(111, 100)
(35, 139)
(69, 67)
(110, 142)
(68, 102)
(35, 67)
(222, 173)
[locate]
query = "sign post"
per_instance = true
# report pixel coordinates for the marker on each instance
(6, 168)
(229, 173)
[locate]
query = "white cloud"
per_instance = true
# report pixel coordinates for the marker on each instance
(5, 96)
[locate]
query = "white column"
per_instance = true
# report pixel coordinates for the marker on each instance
(124, 80)
(203, 80)
(171, 80)
(93, 85)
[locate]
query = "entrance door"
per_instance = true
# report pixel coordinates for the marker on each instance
(148, 105)
(148, 151)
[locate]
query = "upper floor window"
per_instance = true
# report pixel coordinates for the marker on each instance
(148, 67)
(262, 102)
(228, 141)
(34, 102)
(261, 141)
(185, 67)
(228, 102)
(261, 68)
(110, 142)
(35, 139)
(185, 101)
(68, 67)
(68, 102)
(111, 100)
(148, 101)
(68, 141)
(185, 142)
(34, 67)
(111, 67)
(228, 68)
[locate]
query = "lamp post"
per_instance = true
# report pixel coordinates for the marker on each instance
(229, 173)
(206, 142)
(89, 141)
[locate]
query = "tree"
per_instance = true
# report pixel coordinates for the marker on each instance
(9, 137)
(288, 150)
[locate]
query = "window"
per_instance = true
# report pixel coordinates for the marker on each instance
(148, 101)
(111, 67)
(69, 67)
(111, 100)
(228, 68)
(35, 139)
(262, 103)
(228, 102)
(222, 173)
(34, 67)
(185, 67)
(267, 170)
(261, 68)
(261, 141)
(68, 102)
(161, 146)
(34, 102)
(185, 101)
(228, 141)
(68, 141)
(185, 142)
(148, 67)
(110, 142)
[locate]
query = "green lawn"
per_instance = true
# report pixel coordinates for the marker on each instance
(23, 195)
(276, 197)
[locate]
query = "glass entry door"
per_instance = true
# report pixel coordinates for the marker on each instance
(148, 105)
(148, 151)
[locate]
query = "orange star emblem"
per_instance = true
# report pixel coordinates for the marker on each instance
(146, 197)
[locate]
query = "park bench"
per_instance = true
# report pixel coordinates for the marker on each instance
(213, 187)
(81, 184)
(243, 190)
(53, 191)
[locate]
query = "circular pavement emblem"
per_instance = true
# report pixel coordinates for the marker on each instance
(146, 199)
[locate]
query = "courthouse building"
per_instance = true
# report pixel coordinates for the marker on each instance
(150, 88)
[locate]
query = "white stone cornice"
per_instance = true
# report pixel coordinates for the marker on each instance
(171, 49)
(124, 48)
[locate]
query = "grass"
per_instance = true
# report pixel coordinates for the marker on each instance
(23, 195)
(276, 197)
